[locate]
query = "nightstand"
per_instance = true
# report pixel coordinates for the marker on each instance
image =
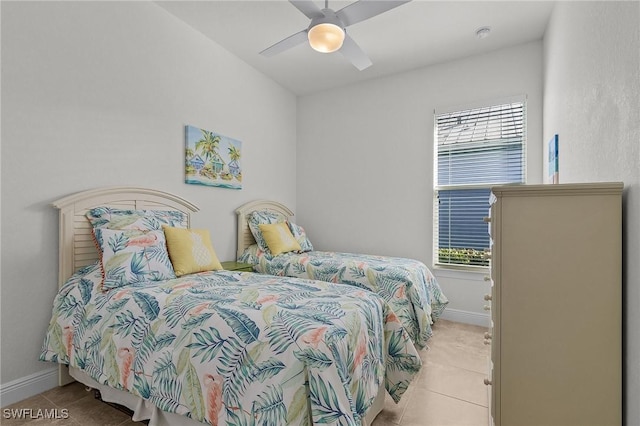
(232, 265)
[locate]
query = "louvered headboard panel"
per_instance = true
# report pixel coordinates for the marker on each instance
(76, 244)
(245, 237)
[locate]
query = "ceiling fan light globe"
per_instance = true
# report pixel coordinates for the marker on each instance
(326, 37)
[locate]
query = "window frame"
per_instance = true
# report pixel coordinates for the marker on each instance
(439, 188)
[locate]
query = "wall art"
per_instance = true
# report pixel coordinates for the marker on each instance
(212, 159)
(554, 176)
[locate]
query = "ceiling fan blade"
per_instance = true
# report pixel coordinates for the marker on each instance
(287, 43)
(354, 53)
(308, 7)
(365, 9)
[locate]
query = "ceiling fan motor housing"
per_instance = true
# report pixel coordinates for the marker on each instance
(326, 33)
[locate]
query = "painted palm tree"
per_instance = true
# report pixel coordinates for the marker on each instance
(234, 166)
(208, 145)
(189, 167)
(234, 153)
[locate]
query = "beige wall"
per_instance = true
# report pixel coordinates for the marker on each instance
(97, 94)
(365, 158)
(592, 101)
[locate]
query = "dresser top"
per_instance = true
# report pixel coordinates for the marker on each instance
(613, 188)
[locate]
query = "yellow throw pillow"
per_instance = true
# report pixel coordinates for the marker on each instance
(279, 238)
(190, 250)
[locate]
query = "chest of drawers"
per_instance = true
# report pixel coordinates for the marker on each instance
(556, 296)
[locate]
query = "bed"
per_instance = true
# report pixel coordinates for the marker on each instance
(213, 347)
(407, 285)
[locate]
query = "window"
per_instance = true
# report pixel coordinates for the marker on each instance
(475, 149)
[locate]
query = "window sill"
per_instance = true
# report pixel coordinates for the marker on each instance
(461, 272)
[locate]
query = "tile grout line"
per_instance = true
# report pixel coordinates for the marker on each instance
(458, 367)
(459, 399)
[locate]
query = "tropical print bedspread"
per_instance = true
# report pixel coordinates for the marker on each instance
(407, 285)
(235, 349)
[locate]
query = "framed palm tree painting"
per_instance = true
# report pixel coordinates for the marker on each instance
(212, 159)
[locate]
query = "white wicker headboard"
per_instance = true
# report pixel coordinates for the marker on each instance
(76, 246)
(245, 238)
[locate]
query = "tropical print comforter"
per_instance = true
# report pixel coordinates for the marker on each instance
(235, 349)
(407, 285)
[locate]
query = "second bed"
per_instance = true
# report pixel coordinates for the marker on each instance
(407, 285)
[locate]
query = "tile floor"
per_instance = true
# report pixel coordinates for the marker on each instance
(448, 391)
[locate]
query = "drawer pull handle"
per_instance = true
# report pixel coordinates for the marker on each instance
(486, 307)
(487, 297)
(487, 382)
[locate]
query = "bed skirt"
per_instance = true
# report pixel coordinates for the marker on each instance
(145, 410)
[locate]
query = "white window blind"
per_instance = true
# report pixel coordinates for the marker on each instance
(475, 149)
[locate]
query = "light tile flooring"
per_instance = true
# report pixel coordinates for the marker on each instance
(449, 390)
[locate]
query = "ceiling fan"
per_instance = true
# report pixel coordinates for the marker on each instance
(327, 31)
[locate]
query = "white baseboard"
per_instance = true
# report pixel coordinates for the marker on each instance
(475, 318)
(28, 386)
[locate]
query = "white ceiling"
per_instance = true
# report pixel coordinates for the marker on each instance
(413, 35)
